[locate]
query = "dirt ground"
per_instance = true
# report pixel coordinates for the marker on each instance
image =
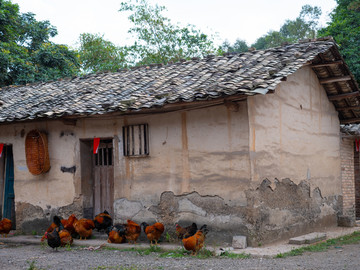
(19, 256)
(26, 252)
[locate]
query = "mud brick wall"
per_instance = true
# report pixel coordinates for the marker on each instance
(348, 175)
(357, 183)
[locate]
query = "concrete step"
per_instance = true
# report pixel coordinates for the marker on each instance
(308, 238)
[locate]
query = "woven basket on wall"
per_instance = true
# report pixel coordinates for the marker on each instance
(37, 154)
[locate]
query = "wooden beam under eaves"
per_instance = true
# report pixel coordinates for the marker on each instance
(343, 96)
(348, 108)
(350, 121)
(335, 79)
(69, 122)
(335, 63)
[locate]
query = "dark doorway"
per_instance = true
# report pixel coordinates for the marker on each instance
(8, 187)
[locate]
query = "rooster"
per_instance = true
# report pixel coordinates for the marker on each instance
(53, 238)
(153, 232)
(103, 221)
(116, 233)
(5, 226)
(184, 232)
(132, 231)
(84, 227)
(196, 242)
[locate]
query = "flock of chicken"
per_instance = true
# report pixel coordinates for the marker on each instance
(61, 232)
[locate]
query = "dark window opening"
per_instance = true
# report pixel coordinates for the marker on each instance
(136, 140)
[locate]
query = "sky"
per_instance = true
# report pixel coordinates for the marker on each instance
(226, 19)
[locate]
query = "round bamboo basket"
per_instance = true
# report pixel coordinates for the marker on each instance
(37, 154)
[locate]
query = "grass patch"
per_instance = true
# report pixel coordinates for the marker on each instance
(32, 265)
(140, 251)
(169, 238)
(115, 267)
(227, 254)
(353, 238)
(176, 253)
(181, 252)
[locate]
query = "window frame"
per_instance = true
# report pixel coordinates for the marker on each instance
(131, 141)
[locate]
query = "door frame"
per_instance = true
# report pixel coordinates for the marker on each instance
(87, 161)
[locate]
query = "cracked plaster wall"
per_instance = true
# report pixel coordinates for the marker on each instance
(271, 214)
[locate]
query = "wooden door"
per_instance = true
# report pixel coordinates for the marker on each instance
(103, 164)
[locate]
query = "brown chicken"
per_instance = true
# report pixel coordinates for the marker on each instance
(184, 232)
(116, 234)
(103, 221)
(69, 224)
(65, 237)
(132, 231)
(84, 227)
(153, 232)
(196, 242)
(5, 226)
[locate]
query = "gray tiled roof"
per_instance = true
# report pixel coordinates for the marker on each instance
(148, 87)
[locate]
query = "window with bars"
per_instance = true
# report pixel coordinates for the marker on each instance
(104, 156)
(136, 140)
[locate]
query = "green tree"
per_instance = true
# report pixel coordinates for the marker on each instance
(160, 41)
(98, 54)
(303, 27)
(238, 46)
(26, 53)
(345, 29)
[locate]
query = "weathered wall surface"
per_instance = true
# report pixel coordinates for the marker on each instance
(294, 133)
(275, 211)
(197, 150)
(37, 198)
(206, 165)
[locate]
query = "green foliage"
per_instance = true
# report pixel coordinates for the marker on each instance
(353, 238)
(160, 41)
(304, 26)
(98, 54)
(26, 53)
(239, 46)
(345, 29)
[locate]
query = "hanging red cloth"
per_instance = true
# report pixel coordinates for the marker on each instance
(1, 149)
(357, 142)
(96, 145)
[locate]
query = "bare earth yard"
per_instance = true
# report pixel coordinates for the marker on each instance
(18, 256)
